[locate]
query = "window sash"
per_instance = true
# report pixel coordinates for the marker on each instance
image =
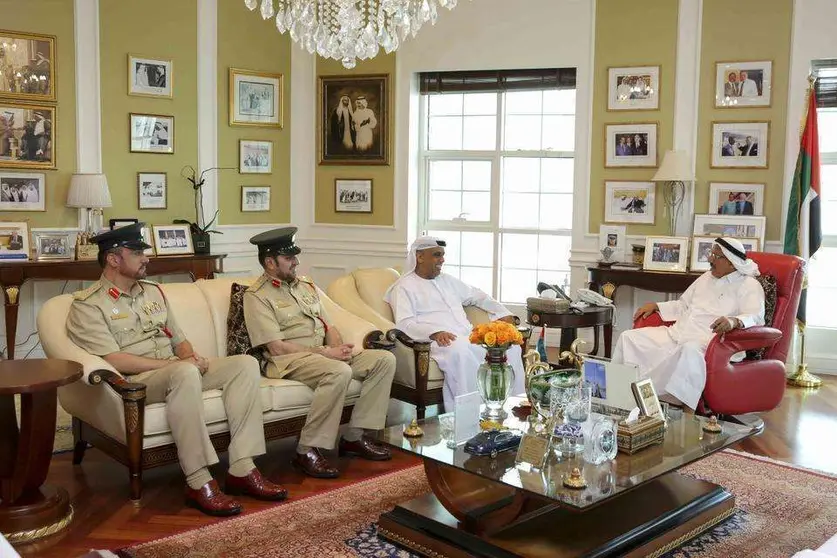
(496, 81)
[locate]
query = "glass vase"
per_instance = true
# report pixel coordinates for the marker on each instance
(494, 380)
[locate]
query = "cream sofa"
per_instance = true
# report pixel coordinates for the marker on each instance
(109, 410)
(418, 379)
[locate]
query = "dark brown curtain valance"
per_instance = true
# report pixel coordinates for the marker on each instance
(826, 84)
(492, 81)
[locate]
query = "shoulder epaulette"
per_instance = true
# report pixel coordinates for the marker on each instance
(147, 282)
(88, 292)
(257, 284)
(306, 279)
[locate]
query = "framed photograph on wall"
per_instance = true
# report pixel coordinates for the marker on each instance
(633, 88)
(743, 84)
(736, 198)
(54, 246)
(121, 222)
(736, 226)
(32, 57)
(740, 144)
(172, 239)
(631, 145)
(702, 245)
(613, 237)
(666, 253)
(630, 202)
(353, 120)
(255, 198)
(28, 136)
(255, 98)
(150, 77)
(353, 195)
(152, 190)
(255, 157)
(22, 191)
(14, 241)
(152, 133)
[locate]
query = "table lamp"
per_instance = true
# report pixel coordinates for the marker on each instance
(674, 172)
(90, 192)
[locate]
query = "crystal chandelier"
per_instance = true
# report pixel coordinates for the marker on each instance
(346, 30)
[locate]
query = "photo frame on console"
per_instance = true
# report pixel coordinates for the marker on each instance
(666, 253)
(736, 226)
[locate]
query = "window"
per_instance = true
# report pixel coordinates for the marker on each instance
(496, 175)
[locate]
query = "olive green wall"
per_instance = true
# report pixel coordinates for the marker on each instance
(156, 29)
(266, 50)
(745, 30)
(383, 176)
(51, 17)
(637, 33)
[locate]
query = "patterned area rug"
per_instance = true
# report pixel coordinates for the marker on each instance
(780, 509)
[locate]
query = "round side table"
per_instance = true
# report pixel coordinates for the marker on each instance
(592, 316)
(29, 511)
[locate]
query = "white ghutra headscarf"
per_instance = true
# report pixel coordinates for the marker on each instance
(420, 243)
(737, 255)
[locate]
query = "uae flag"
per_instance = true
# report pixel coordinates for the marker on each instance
(803, 232)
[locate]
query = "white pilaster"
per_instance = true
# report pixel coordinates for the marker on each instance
(88, 92)
(207, 94)
(303, 139)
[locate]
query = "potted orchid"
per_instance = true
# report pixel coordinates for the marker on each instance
(199, 228)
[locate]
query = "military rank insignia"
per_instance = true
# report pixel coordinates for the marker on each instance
(113, 292)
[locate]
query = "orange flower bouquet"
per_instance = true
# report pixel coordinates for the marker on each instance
(496, 334)
(494, 376)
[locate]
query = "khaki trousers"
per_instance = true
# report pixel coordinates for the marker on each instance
(181, 385)
(330, 379)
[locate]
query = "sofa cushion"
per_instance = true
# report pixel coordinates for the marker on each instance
(372, 284)
(768, 283)
(193, 315)
(238, 340)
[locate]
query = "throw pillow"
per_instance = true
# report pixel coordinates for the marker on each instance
(768, 283)
(238, 340)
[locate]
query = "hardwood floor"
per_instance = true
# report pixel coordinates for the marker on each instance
(797, 432)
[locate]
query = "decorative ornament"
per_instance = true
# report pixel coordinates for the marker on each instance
(575, 480)
(712, 425)
(413, 430)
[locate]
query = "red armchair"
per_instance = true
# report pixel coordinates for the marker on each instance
(752, 385)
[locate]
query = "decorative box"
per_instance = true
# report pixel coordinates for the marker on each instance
(644, 432)
(548, 305)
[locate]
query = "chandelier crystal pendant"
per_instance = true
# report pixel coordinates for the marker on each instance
(346, 30)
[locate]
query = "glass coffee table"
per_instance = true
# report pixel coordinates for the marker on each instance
(635, 505)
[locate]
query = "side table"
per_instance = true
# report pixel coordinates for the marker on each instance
(29, 511)
(592, 316)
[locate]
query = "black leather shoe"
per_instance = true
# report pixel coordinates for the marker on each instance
(364, 448)
(314, 464)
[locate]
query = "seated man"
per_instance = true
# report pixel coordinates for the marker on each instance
(724, 298)
(285, 318)
(127, 321)
(427, 304)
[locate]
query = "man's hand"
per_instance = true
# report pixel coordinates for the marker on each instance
(199, 361)
(443, 338)
(724, 324)
(339, 352)
(645, 310)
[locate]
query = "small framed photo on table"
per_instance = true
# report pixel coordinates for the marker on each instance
(736, 226)
(631, 145)
(54, 246)
(353, 195)
(612, 237)
(633, 88)
(255, 157)
(646, 399)
(172, 240)
(736, 198)
(152, 133)
(630, 202)
(14, 242)
(151, 190)
(255, 198)
(740, 145)
(743, 84)
(22, 191)
(666, 253)
(149, 77)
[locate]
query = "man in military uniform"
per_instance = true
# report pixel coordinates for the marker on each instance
(285, 318)
(127, 321)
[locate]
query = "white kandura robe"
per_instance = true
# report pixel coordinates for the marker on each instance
(423, 307)
(673, 357)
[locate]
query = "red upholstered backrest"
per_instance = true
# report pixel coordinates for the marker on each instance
(788, 271)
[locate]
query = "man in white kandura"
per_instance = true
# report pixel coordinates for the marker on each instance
(724, 298)
(427, 303)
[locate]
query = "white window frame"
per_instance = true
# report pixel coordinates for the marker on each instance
(496, 156)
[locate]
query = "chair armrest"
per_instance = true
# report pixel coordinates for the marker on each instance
(378, 340)
(419, 365)
(397, 334)
(125, 389)
(722, 347)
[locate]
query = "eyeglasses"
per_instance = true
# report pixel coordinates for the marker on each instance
(715, 256)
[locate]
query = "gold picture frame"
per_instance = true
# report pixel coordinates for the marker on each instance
(145, 137)
(737, 94)
(646, 158)
(159, 85)
(38, 154)
(264, 92)
(730, 139)
(54, 246)
(42, 58)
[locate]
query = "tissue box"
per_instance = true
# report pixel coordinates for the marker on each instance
(644, 432)
(548, 305)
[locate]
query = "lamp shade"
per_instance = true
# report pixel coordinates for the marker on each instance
(88, 190)
(675, 168)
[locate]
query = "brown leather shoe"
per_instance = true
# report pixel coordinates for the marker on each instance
(255, 485)
(211, 501)
(365, 448)
(314, 464)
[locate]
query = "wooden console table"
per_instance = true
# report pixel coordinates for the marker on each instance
(14, 274)
(606, 280)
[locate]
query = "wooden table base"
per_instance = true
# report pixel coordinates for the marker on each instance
(37, 515)
(647, 521)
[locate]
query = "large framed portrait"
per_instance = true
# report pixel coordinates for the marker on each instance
(353, 195)
(54, 246)
(150, 77)
(740, 144)
(27, 66)
(630, 202)
(631, 145)
(152, 190)
(743, 84)
(736, 226)
(354, 120)
(666, 253)
(702, 245)
(255, 198)
(172, 239)
(27, 136)
(255, 157)
(736, 198)
(152, 133)
(22, 191)
(14, 242)
(255, 98)
(634, 88)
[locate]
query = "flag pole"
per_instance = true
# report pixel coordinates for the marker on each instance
(803, 378)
